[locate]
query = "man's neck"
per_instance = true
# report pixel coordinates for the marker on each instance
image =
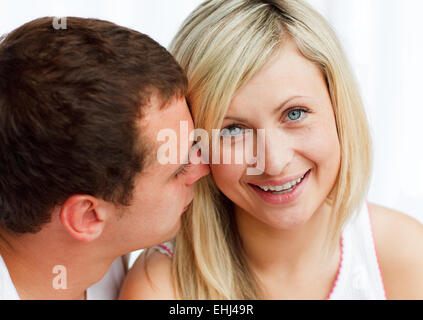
(43, 266)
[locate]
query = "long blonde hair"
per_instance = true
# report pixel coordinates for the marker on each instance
(221, 45)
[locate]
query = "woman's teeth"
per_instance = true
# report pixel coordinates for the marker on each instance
(285, 187)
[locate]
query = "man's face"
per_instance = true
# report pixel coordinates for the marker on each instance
(161, 192)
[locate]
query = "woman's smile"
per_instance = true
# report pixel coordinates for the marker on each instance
(277, 192)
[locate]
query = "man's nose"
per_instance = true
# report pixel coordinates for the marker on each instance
(198, 171)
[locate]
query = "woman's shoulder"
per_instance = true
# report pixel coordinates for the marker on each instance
(398, 239)
(150, 278)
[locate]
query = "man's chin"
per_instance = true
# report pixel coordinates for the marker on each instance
(165, 236)
(173, 232)
(175, 229)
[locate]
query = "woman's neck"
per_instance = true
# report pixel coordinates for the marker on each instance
(289, 252)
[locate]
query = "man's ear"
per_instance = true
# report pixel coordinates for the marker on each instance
(83, 217)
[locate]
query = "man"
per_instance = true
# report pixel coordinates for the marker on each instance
(80, 184)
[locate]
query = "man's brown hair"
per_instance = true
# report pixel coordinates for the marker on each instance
(70, 100)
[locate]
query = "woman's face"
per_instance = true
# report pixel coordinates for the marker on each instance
(288, 98)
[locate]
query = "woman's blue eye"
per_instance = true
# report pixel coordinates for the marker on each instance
(296, 114)
(232, 131)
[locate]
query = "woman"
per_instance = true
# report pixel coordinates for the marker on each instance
(302, 229)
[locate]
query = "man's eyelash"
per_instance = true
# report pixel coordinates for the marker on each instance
(183, 170)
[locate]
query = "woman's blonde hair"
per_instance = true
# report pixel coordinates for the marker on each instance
(221, 45)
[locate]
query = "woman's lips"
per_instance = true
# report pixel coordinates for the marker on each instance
(278, 182)
(283, 198)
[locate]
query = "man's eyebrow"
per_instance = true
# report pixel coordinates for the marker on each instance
(276, 110)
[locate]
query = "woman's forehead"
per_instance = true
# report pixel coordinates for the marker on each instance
(286, 75)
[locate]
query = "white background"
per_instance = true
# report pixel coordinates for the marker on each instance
(382, 38)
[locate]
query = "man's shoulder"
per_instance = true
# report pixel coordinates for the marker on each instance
(7, 289)
(398, 240)
(109, 285)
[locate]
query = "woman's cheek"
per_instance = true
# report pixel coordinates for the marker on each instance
(322, 149)
(318, 142)
(226, 176)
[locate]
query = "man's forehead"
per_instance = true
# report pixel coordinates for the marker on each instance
(159, 121)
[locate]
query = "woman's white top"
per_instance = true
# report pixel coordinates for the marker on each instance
(106, 289)
(359, 276)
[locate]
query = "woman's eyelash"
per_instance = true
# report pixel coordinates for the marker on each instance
(300, 109)
(229, 128)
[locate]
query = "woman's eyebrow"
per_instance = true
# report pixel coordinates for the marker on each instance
(235, 119)
(283, 104)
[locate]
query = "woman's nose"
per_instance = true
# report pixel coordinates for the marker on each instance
(278, 152)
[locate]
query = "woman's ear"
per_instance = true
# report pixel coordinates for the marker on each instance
(82, 217)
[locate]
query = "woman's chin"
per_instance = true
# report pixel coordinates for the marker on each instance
(286, 221)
